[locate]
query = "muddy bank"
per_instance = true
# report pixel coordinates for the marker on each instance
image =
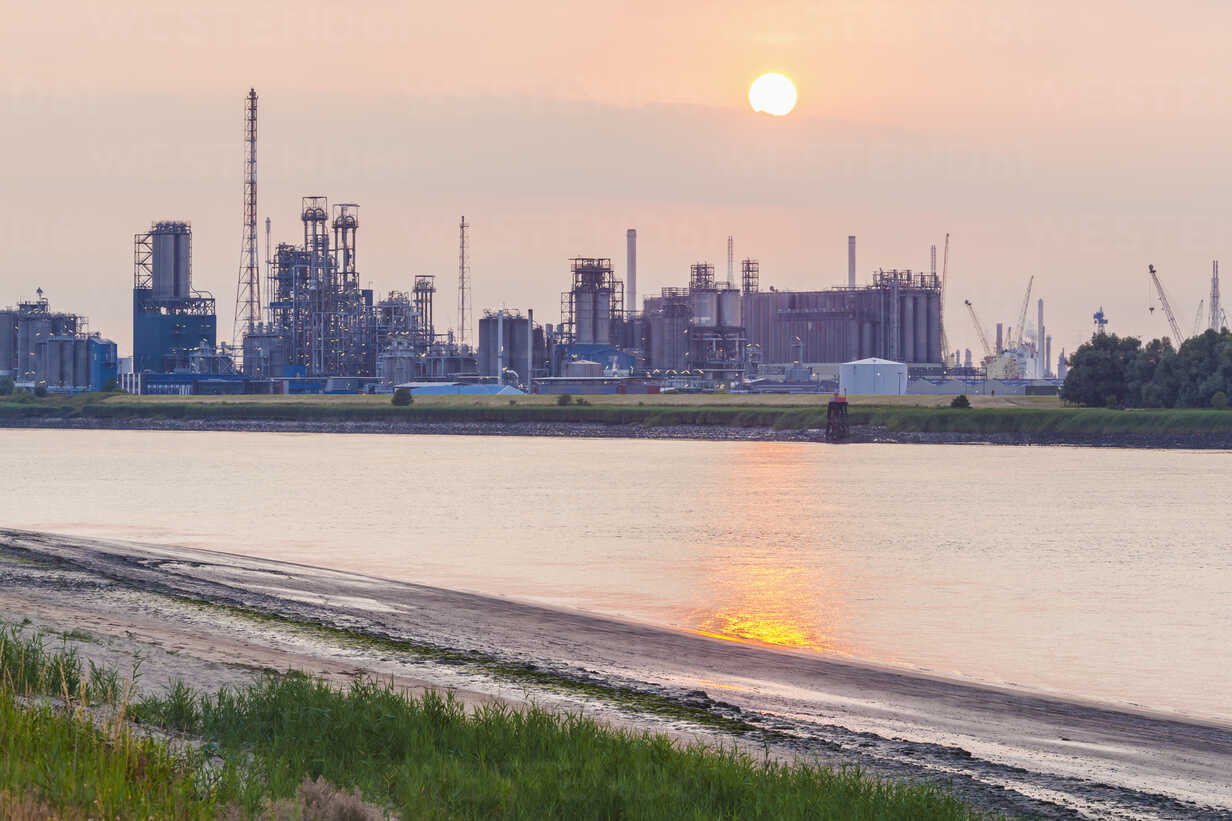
(717, 433)
(212, 618)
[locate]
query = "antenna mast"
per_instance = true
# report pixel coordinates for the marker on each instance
(248, 288)
(464, 284)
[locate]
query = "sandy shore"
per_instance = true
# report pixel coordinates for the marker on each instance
(194, 615)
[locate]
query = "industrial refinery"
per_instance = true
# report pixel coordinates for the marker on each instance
(304, 322)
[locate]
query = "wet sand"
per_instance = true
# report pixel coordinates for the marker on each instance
(1001, 749)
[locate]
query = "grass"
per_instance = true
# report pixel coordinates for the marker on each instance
(1027, 416)
(424, 757)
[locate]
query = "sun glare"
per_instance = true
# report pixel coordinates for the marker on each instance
(773, 94)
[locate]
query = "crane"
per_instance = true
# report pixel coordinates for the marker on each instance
(1197, 328)
(1163, 300)
(1022, 315)
(945, 268)
(988, 354)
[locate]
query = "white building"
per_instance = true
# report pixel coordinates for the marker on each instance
(879, 377)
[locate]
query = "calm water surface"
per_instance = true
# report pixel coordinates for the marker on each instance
(1099, 573)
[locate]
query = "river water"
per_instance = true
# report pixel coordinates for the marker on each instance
(1097, 573)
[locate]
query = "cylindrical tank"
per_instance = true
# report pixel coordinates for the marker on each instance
(907, 327)
(49, 371)
(584, 316)
(8, 343)
(866, 341)
(921, 328)
(729, 309)
(603, 317)
(853, 338)
(81, 362)
(171, 244)
(30, 333)
(934, 327)
(705, 308)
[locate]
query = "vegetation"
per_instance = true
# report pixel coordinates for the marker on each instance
(40, 390)
(402, 397)
(960, 401)
(1117, 371)
(6, 386)
(276, 748)
(564, 399)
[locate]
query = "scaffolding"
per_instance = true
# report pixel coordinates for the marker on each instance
(593, 302)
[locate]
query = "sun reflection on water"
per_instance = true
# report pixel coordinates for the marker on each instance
(785, 595)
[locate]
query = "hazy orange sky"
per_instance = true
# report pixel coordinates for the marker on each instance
(1076, 142)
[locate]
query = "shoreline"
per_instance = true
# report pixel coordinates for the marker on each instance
(860, 434)
(221, 617)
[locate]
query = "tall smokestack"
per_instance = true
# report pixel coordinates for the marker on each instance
(1047, 355)
(631, 268)
(1000, 337)
(851, 262)
(1039, 340)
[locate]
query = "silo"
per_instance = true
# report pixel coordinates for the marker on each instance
(866, 341)
(170, 266)
(603, 317)
(729, 309)
(584, 316)
(934, 326)
(81, 362)
(31, 331)
(907, 327)
(705, 308)
(921, 328)
(8, 343)
(50, 362)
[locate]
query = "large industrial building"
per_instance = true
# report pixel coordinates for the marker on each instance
(38, 345)
(170, 319)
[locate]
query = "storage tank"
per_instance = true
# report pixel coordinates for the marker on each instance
(8, 343)
(729, 309)
(81, 362)
(31, 331)
(921, 328)
(584, 316)
(934, 327)
(172, 258)
(705, 309)
(907, 327)
(603, 317)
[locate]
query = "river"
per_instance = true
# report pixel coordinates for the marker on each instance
(1102, 574)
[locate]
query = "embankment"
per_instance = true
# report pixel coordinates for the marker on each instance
(726, 418)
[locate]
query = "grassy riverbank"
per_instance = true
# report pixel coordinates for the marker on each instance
(1029, 416)
(79, 743)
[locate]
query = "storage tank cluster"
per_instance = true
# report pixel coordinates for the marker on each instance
(41, 346)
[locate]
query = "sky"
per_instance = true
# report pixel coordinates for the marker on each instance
(1074, 142)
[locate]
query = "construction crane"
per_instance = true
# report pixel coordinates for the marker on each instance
(945, 267)
(988, 354)
(1197, 326)
(1019, 339)
(1163, 300)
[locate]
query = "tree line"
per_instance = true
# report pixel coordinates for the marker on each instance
(1116, 371)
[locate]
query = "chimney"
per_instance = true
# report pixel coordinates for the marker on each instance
(1000, 345)
(1039, 340)
(631, 269)
(851, 262)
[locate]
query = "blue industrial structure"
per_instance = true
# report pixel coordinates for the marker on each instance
(169, 317)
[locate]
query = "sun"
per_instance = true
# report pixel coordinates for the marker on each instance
(773, 94)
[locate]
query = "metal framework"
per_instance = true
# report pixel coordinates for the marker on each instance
(750, 276)
(595, 298)
(248, 286)
(464, 284)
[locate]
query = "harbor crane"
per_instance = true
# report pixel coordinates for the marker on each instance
(988, 354)
(945, 268)
(1197, 326)
(1163, 300)
(1022, 314)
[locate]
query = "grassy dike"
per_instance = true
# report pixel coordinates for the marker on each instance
(78, 743)
(1026, 417)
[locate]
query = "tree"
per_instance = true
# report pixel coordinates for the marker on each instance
(40, 390)
(6, 386)
(564, 399)
(402, 397)
(960, 401)
(1099, 370)
(110, 386)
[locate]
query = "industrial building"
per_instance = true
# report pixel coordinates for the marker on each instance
(38, 345)
(322, 323)
(512, 348)
(170, 318)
